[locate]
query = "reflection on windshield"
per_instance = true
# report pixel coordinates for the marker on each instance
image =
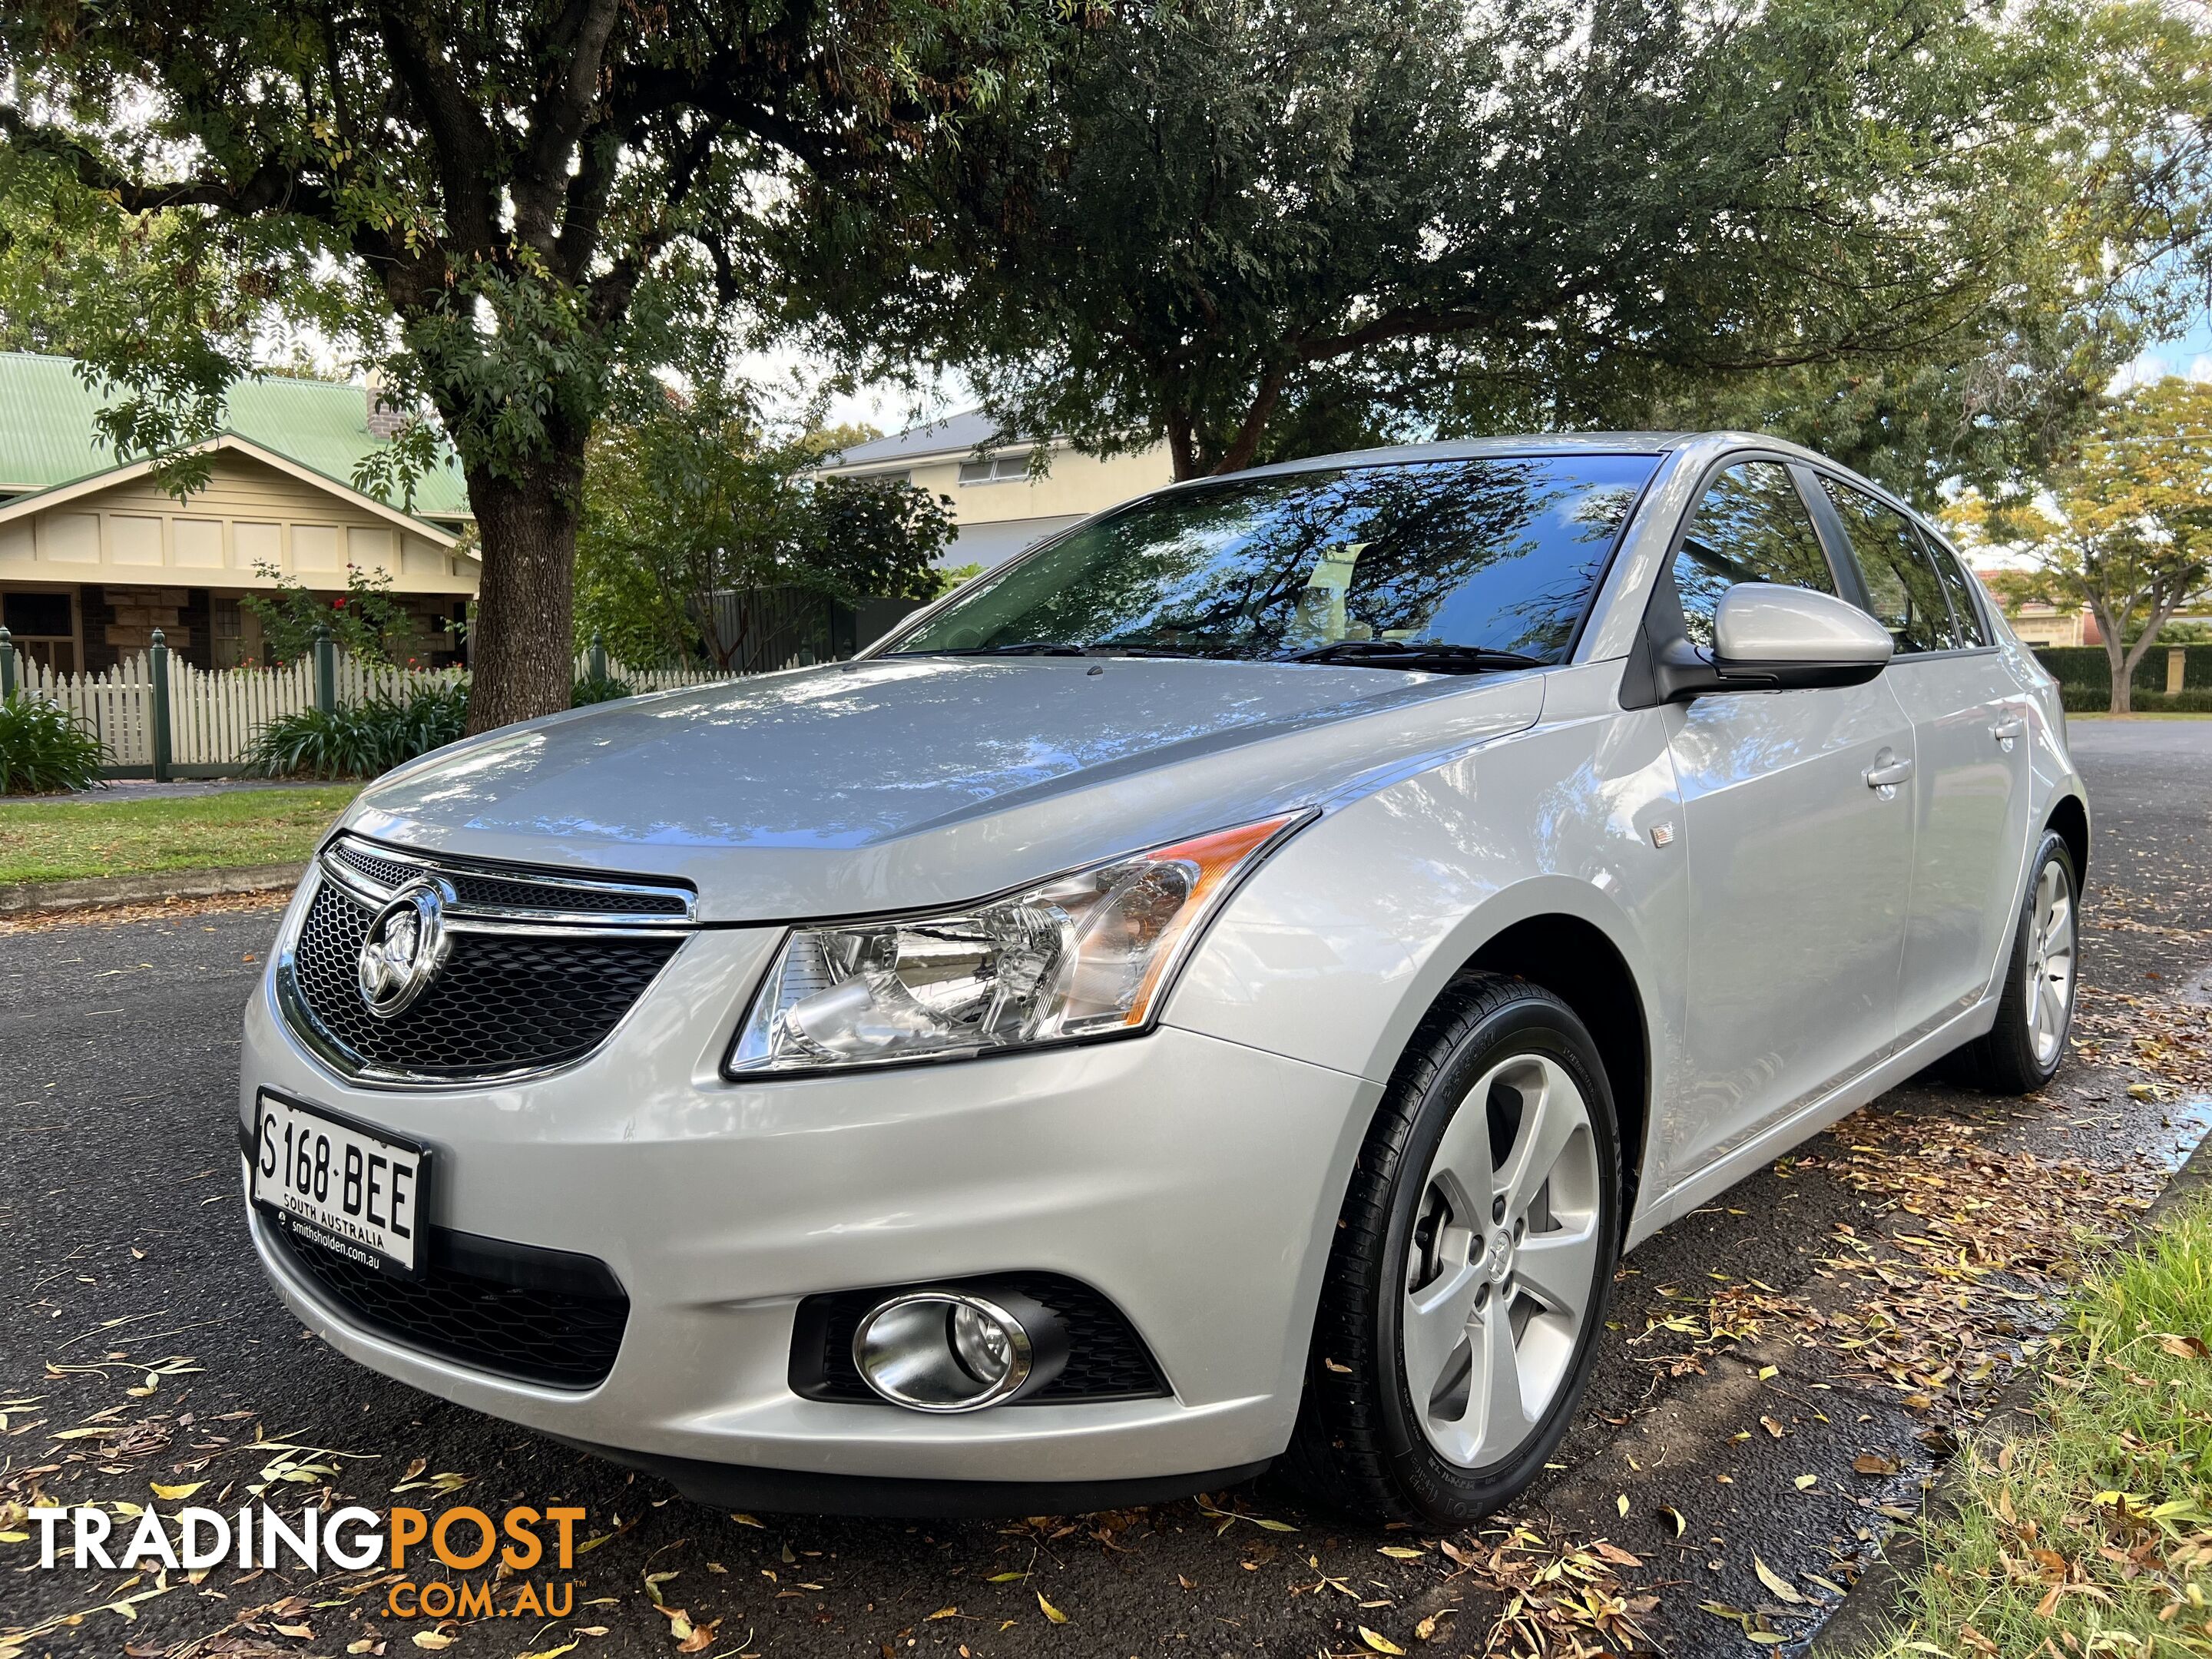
(1501, 553)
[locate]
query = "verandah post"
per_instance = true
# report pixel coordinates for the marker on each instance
(157, 669)
(6, 666)
(326, 670)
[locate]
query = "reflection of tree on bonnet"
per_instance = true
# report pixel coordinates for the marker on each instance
(1500, 554)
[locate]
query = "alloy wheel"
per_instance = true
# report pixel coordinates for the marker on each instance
(2049, 962)
(1502, 1262)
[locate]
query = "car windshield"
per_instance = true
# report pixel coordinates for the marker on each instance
(1408, 564)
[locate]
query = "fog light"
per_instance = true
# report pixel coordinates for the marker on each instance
(954, 1351)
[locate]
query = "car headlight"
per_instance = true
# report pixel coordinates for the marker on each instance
(1081, 955)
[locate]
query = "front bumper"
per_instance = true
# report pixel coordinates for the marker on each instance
(1195, 1182)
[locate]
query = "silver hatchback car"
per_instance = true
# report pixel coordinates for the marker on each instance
(1225, 986)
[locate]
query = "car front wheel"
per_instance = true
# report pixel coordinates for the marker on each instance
(1473, 1260)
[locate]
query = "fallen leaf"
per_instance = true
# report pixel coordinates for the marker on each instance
(185, 1491)
(1774, 1581)
(699, 1639)
(432, 1640)
(1668, 1511)
(1050, 1611)
(542, 1653)
(2184, 1347)
(1805, 1480)
(1400, 1553)
(1380, 1644)
(943, 1613)
(1005, 1578)
(1872, 1463)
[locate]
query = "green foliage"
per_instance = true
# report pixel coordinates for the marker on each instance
(365, 621)
(519, 212)
(2087, 1536)
(697, 497)
(947, 579)
(44, 747)
(1258, 230)
(362, 741)
(2124, 527)
(600, 688)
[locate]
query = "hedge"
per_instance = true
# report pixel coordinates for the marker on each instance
(2085, 679)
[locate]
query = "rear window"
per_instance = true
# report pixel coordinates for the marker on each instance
(1502, 553)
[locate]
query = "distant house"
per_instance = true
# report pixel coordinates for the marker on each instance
(2039, 624)
(1001, 509)
(95, 555)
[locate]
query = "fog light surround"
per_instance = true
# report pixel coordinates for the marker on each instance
(957, 1350)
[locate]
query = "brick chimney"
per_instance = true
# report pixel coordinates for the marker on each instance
(386, 417)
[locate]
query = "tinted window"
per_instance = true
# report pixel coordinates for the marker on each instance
(1750, 527)
(1503, 553)
(1959, 586)
(1903, 591)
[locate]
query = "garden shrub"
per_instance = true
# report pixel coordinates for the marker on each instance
(44, 748)
(363, 741)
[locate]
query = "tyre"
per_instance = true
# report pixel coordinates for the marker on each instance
(1473, 1261)
(2023, 1050)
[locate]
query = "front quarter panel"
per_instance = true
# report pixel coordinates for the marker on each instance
(1342, 941)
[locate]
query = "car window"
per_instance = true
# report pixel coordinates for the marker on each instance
(1960, 586)
(1752, 527)
(1500, 553)
(1903, 592)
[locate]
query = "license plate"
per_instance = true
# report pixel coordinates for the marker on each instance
(349, 1189)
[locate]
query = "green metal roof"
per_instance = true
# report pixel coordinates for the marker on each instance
(47, 436)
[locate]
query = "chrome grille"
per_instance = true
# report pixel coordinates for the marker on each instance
(477, 888)
(536, 978)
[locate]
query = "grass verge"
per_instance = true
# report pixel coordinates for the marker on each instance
(2094, 1535)
(57, 841)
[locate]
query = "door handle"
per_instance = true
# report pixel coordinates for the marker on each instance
(2005, 731)
(1887, 772)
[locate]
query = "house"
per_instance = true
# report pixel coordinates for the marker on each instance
(95, 555)
(1002, 506)
(2039, 624)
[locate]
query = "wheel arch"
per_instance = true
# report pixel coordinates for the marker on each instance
(2068, 818)
(1576, 962)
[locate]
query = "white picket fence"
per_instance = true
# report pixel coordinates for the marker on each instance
(214, 714)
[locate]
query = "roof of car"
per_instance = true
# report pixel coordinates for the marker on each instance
(1543, 443)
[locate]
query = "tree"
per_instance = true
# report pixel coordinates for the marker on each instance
(2125, 527)
(697, 500)
(2122, 175)
(1261, 227)
(529, 203)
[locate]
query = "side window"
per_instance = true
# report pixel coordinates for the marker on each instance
(1902, 590)
(1750, 527)
(1960, 586)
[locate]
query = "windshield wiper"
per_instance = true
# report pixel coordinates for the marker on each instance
(1044, 648)
(1401, 653)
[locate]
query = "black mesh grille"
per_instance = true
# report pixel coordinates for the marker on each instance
(562, 1327)
(1106, 1358)
(504, 1002)
(473, 888)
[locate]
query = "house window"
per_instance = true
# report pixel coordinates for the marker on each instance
(42, 627)
(999, 469)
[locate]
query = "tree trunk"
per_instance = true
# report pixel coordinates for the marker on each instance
(523, 650)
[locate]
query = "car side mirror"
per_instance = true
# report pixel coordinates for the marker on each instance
(1771, 638)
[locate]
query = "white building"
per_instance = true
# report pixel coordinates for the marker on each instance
(1001, 507)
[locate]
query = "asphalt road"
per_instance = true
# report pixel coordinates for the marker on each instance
(1721, 1434)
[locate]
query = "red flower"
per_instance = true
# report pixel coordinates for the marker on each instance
(338, 605)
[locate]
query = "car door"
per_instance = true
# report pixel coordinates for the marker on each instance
(1969, 720)
(1798, 811)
